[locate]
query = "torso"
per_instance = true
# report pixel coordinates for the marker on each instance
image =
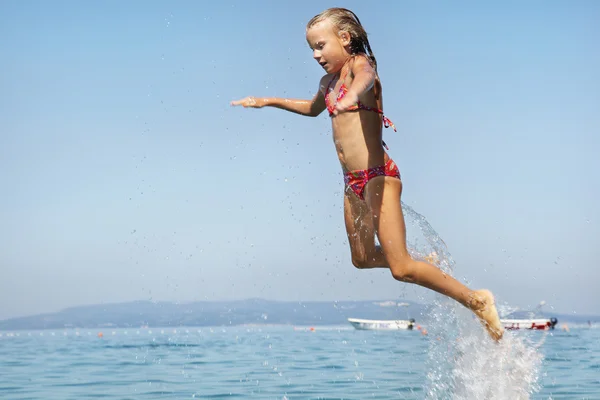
(356, 134)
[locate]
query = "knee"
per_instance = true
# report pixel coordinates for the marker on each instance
(404, 270)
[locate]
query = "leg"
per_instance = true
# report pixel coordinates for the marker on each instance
(383, 199)
(361, 233)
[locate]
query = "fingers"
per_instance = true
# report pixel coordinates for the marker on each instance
(245, 102)
(346, 104)
(238, 102)
(341, 107)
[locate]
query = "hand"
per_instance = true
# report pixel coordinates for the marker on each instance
(346, 103)
(247, 102)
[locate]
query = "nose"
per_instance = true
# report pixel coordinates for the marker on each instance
(316, 54)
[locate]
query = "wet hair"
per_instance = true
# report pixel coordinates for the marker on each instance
(345, 20)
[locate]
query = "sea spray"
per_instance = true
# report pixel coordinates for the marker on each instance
(463, 363)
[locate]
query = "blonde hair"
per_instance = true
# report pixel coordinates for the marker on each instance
(345, 20)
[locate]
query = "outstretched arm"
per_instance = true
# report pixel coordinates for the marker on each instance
(310, 108)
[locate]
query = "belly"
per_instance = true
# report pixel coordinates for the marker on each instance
(357, 148)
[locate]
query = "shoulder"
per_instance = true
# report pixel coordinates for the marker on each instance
(325, 79)
(324, 82)
(360, 62)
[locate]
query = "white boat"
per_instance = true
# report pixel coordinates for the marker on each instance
(382, 325)
(535, 324)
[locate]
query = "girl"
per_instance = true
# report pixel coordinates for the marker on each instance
(351, 93)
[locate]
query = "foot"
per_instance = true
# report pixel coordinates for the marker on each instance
(483, 305)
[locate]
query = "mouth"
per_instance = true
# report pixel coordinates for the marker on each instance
(323, 64)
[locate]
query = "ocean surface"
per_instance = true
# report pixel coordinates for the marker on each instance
(284, 362)
(454, 360)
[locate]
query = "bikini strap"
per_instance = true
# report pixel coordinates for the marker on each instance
(343, 78)
(330, 82)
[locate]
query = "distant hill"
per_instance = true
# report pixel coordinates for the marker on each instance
(226, 313)
(209, 313)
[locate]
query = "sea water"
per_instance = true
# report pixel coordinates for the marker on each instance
(455, 360)
(284, 362)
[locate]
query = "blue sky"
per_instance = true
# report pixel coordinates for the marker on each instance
(126, 175)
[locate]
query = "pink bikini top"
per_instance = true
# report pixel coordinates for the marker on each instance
(358, 106)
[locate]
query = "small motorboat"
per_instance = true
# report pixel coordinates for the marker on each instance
(382, 325)
(533, 324)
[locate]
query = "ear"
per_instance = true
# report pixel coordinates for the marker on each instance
(345, 38)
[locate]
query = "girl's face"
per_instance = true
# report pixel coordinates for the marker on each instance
(329, 48)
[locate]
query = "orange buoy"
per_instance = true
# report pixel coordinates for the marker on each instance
(100, 334)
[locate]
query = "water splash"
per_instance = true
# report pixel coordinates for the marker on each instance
(463, 363)
(425, 244)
